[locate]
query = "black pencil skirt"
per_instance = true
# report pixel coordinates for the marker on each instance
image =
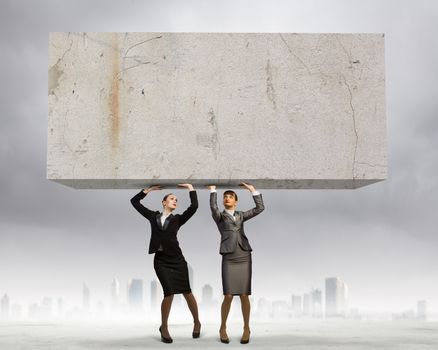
(172, 272)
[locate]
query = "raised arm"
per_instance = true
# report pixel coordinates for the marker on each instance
(135, 201)
(215, 213)
(258, 200)
(188, 213)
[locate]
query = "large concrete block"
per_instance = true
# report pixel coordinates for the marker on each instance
(277, 110)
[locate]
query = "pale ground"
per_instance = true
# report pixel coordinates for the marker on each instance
(398, 335)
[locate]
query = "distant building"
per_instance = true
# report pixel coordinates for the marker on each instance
(16, 312)
(280, 309)
(33, 311)
(336, 297)
(177, 303)
(154, 295)
(207, 294)
(297, 307)
(422, 310)
(307, 299)
(5, 307)
(85, 298)
(263, 308)
(316, 303)
(405, 315)
(354, 313)
(60, 305)
(115, 294)
(135, 294)
(100, 308)
(46, 308)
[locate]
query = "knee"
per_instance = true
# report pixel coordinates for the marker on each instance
(169, 297)
(244, 297)
(188, 295)
(228, 297)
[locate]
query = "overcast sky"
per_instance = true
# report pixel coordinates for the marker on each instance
(381, 239)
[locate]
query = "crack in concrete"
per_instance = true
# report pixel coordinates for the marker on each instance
(348, 54)
(140, 43)
(66, 144)
(132, 67)
(215, 126)
(68, 50)
(293, 54)
(137, 58)
(95, 40)
(270, 92)
(214, 138)
(114, 97)
(372, 165)
(354, 126)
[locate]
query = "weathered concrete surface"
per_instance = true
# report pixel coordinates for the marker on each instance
(128, 110)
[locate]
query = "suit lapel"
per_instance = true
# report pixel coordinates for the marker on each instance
(237, 215)
(158, 219)
(231, 217)
(166, 222)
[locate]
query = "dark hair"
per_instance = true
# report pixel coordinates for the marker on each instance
(165, 197)
(232, 193)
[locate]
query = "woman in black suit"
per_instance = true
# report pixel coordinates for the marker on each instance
(169, 263)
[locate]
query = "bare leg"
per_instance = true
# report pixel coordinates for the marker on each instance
(246, 308)
(193, 307)
(225, 310)
(166, 304)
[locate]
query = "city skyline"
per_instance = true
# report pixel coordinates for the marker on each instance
(54, 238)
(332, 303)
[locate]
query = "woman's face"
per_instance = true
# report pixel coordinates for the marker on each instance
(229, 201)
(170, 202)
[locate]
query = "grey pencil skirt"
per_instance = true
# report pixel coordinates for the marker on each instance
(237, 272)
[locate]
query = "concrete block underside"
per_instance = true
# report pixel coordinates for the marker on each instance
(278, 110)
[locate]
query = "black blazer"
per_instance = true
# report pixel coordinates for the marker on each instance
(232, 232)
(166, 234)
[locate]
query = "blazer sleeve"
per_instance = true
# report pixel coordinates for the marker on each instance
(256, 210)
(213, 206)
(188, 213)
(135, 201)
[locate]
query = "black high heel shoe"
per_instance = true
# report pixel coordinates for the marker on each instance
(196, 334)
(164, 339)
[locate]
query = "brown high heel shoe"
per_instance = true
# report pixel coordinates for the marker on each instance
(245, 341)
(223, 340)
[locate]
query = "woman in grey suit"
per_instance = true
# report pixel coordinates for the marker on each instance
(236, 254)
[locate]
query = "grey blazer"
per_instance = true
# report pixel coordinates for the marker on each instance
(232, 231)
